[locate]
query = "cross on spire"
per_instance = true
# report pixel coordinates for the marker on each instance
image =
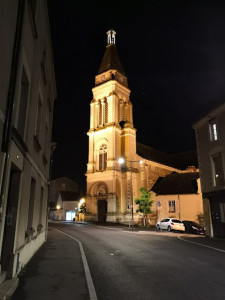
(111, 37)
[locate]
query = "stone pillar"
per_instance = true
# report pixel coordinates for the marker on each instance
(91, 208)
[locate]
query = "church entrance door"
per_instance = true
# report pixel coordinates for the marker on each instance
(102, 211)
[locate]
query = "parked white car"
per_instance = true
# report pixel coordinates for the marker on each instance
(170, 224)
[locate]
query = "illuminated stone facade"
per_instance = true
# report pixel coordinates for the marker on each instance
(111, 136)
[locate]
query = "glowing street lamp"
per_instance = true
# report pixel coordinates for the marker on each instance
(121, 160)
(58, 207)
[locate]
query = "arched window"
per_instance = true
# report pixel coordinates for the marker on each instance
(124, 111)
(100, 113)
(103, 157)
(106, 112)
(120, 110)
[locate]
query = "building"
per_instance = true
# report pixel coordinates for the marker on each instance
(111, 187)
(67, 207)
(210, 139)
(27, 95)
(64, 197)
(178, 195)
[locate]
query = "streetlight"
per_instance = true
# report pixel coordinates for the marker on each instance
(121, 160)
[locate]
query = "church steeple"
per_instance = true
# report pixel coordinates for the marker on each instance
(111, 67)
(111, 135)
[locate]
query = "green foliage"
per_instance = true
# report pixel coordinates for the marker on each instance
(82, 209)
(144, 202)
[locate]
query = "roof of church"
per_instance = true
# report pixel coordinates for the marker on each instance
(111, 60)
(179, 160)
(177, 183)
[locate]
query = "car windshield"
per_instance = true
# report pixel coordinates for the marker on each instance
(176, 221)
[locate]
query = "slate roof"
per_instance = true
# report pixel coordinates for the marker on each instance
(179, 160)
(111, 60)
(177, 183)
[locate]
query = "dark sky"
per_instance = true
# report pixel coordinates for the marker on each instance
(173, 53)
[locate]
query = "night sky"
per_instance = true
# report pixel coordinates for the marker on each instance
(173, 54)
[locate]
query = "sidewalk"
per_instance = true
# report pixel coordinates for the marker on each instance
(55, 272)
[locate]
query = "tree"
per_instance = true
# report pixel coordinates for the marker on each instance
(145, 203)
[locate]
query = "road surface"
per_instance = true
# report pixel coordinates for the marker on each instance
(149, 265)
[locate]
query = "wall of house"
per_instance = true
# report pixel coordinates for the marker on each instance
(213, 190)
(30, 147)
(206, 148)
(187, 207)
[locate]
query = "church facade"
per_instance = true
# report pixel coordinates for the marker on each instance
(111, 186)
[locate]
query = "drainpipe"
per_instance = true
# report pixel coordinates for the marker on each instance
(7, 130)
(179, 204)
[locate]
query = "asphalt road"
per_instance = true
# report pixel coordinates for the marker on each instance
(143, 265)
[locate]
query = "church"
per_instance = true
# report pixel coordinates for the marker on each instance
(113, 186)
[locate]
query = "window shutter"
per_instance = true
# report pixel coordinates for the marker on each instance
(105, 160)
(100, 161)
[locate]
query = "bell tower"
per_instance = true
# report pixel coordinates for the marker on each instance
(111, 136)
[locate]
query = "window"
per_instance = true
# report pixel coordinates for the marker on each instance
(46, 142)
(124, 112)
(43, 63)
(41, 205)
(23, 103)
(38, 118)
(121, 111)
(32, 14)
(176, 221)
(106, 112)
(103, 157)
(100, 113)
(33, 7)
(31, 204)
(172, 208)
(218, 171)
(213, 130)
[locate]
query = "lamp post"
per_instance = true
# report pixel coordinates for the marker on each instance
(121, 160)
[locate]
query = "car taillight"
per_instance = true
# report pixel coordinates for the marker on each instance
(172, 223)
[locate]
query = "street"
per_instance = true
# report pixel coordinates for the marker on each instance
(130, 265)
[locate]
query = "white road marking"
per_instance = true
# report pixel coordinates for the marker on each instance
(182, 239)
(90, 283)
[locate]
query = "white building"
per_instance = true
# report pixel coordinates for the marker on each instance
(27, 95)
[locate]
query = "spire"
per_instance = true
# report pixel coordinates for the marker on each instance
(111, 59)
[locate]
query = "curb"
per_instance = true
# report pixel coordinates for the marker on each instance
(7, 288)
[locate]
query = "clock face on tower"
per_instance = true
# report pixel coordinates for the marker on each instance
(103, 77)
